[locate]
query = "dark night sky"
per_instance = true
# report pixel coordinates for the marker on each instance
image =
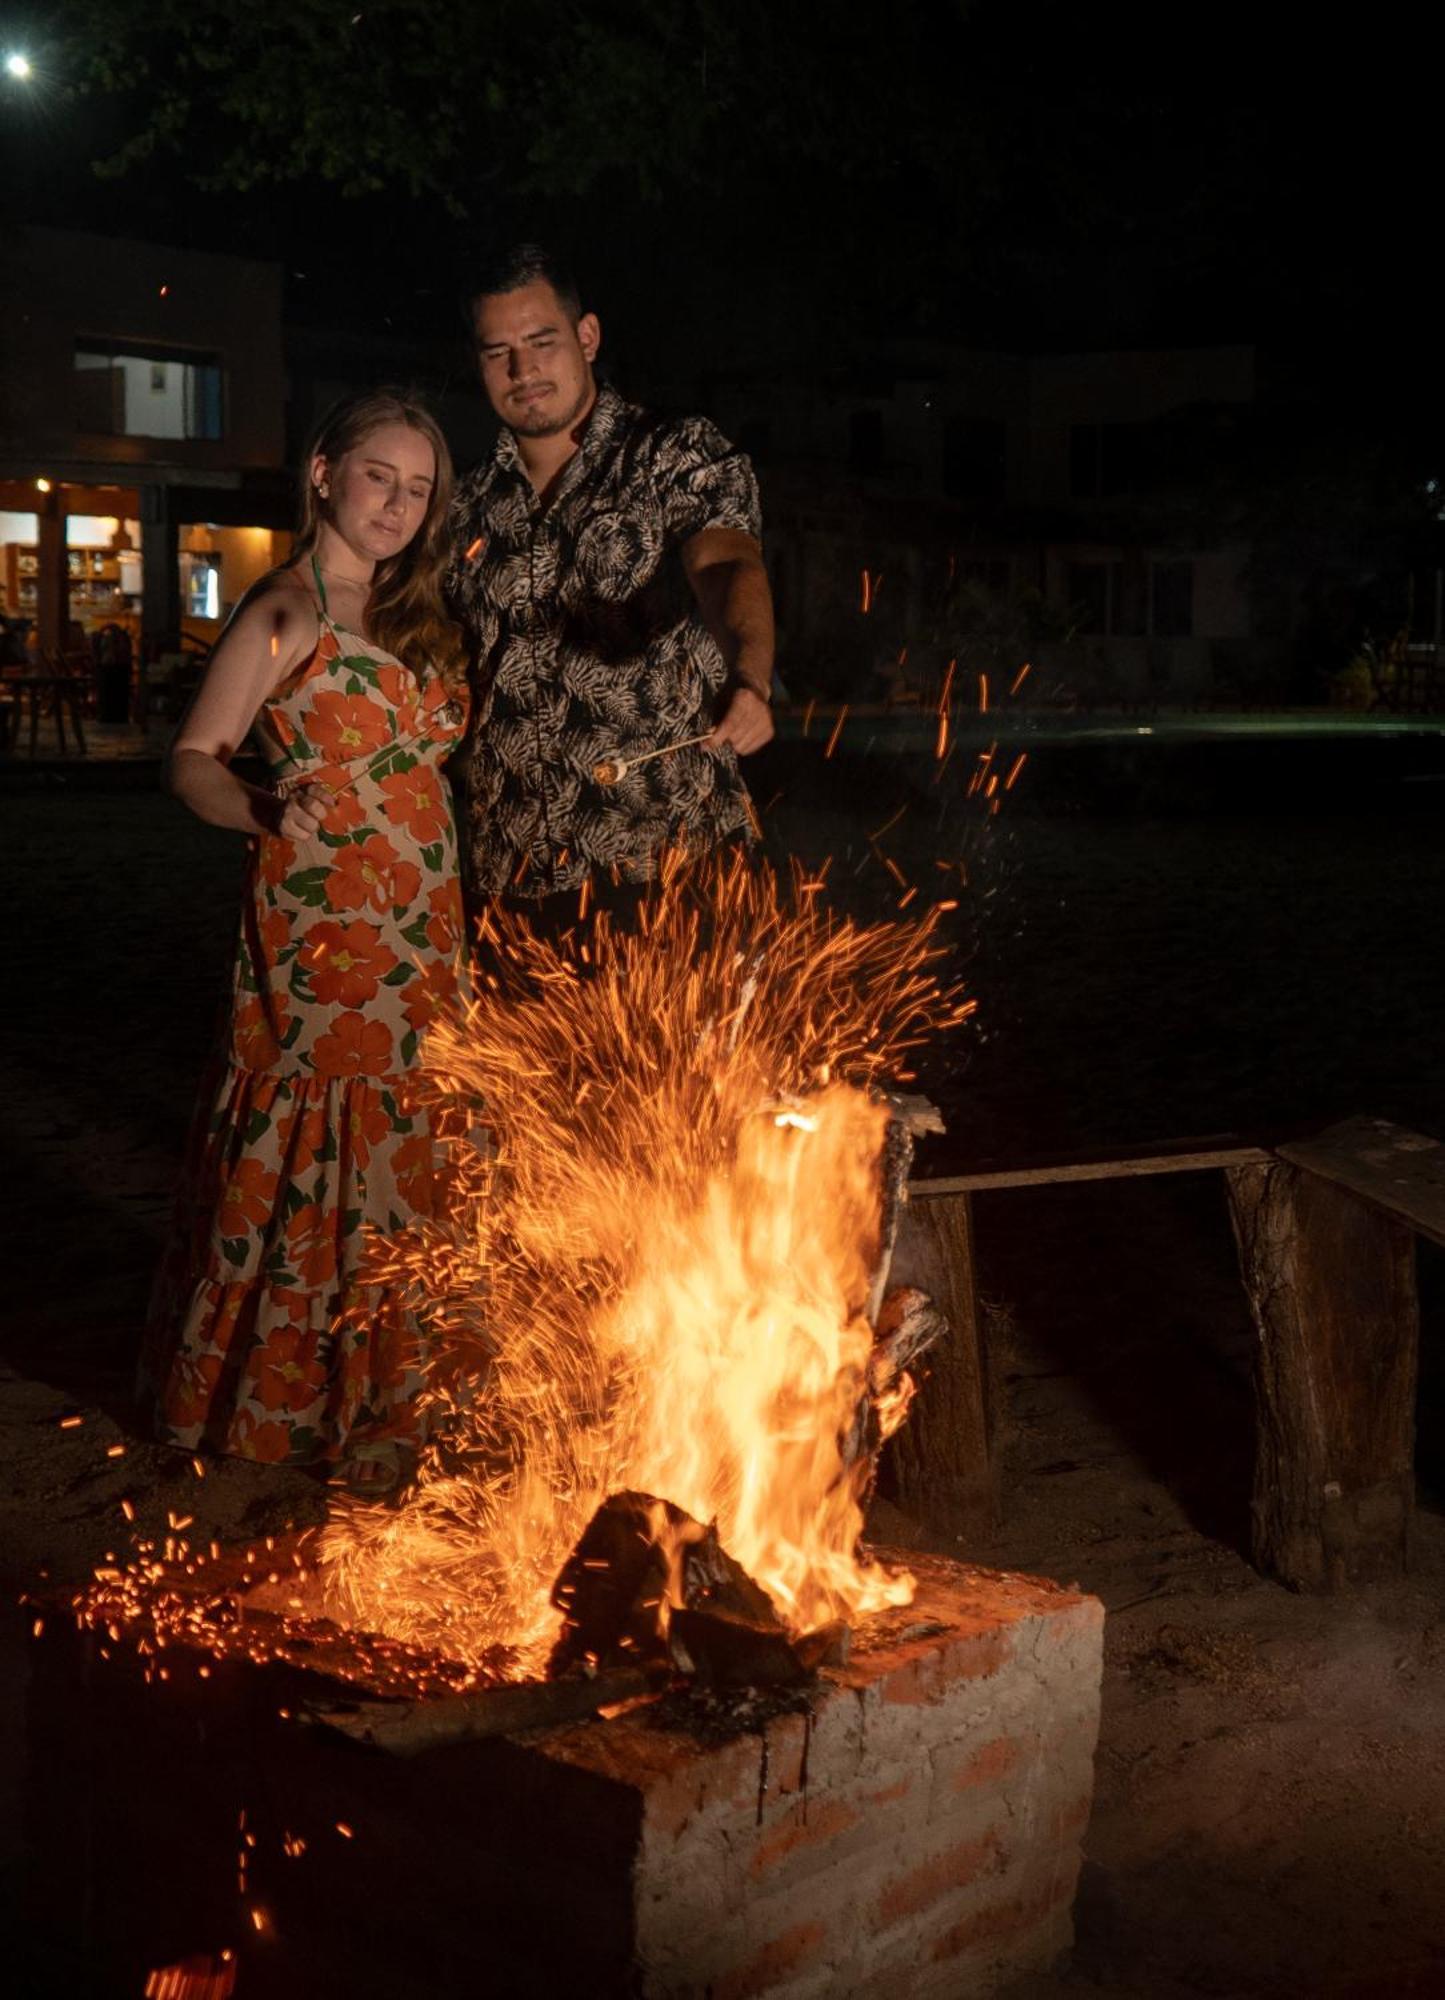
(1113, 178)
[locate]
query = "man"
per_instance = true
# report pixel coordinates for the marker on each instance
(609, 569)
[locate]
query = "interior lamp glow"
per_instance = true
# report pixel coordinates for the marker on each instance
(19, 66)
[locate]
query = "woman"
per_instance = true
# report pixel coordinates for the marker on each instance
(266, 1339)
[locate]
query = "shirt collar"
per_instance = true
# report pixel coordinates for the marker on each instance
(602, 425)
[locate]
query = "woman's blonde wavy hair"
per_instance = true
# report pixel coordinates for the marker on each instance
(406, 611)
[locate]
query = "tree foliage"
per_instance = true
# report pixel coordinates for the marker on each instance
(451, 100)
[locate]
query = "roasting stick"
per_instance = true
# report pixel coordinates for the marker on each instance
(401, 743)
(610, 772)
(303, 778)
(615, 769)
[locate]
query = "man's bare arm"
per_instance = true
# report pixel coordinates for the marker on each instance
(724, 566)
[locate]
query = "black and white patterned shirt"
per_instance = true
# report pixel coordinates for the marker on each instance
(590, 649)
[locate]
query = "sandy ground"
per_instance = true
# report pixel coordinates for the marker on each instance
(1271, 1767)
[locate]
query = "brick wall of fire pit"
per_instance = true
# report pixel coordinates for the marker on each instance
(908, 1824)
(913, 1826)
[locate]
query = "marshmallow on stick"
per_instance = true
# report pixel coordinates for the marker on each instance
(614, 769)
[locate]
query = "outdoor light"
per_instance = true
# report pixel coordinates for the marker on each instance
(18, 66)
(42, 485)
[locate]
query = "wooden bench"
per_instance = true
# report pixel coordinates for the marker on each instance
(1325, 1231)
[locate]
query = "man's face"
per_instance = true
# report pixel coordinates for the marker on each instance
(536, 365)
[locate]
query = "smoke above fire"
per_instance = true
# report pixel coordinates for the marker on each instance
(653, 1271)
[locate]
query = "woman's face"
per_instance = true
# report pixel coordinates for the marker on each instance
(377, 494)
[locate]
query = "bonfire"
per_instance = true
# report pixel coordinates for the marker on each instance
(661, 1275)
(665, 1357)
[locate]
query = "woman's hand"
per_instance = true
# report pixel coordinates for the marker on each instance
(303, 812)
(273, 633)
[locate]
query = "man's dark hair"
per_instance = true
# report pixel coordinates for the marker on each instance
(526, 264)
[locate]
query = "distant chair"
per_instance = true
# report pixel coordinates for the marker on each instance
(64, 688)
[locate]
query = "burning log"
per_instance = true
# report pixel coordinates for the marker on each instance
(640, 1565)
(908, 1325)
(712, 1581)
(911, 1116)
(613, 1588)
(649, 1582)
(726, 1632)
(721, 1651)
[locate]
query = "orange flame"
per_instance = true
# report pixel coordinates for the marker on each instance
(657, 1281)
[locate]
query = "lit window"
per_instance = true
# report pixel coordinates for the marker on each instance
(129, 391)
(201, 582)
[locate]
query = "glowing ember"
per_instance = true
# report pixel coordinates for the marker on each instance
(658, 1280)
(204, 1977)
(174, 1602)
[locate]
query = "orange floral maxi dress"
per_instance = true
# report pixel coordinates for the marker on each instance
(267, 1339)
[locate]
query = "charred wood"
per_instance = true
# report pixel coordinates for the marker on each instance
(725, 1652)
(612, 1590)
(677, 1601)
(721, 1651)
(909, 1117)
(908, 1325)
(713, 1581)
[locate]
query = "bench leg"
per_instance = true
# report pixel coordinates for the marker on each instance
(940, 1466)
(1331, 1285)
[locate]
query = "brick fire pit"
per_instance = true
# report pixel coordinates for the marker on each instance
(909, 1824)
(915, 1829)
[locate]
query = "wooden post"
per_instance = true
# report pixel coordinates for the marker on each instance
(1331, 1283)
(160, 573)
(52, 575)
(939, 1468)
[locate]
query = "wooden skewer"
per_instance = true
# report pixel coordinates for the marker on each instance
(366, 771)
(372, 765)
(615, 769)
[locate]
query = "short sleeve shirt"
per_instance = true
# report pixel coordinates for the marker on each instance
(590, 653)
